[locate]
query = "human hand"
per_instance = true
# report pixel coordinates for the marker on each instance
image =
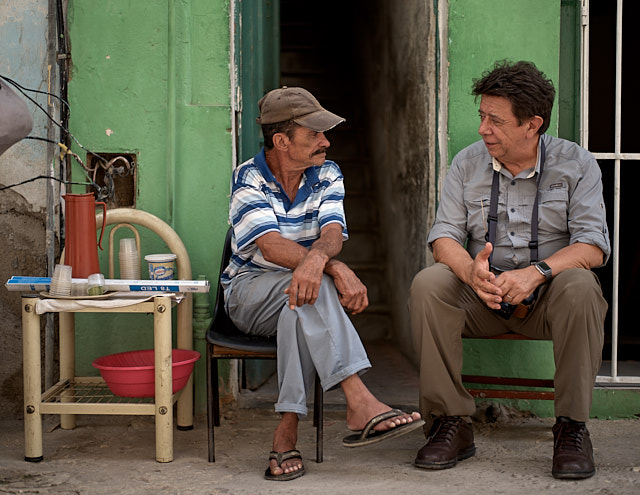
(306, 279)
(482, 280)
(517, 285)
(351, 291)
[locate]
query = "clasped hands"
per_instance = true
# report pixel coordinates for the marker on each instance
(307, 277)
(512, 286)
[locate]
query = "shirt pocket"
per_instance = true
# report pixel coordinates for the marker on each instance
(478, 216)
(553, 209)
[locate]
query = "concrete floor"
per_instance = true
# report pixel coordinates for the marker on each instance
(108, 454)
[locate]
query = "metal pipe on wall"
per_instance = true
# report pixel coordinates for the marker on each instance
(171, 111)
(443, 93)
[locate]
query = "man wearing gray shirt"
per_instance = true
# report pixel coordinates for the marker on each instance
(520, 224)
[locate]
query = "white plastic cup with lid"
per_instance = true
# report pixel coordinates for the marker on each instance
(161, 266)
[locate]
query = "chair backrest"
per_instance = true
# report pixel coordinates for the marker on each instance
(220, 317)
(222, 330)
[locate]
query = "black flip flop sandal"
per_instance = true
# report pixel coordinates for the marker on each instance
(280, 457)
(369, 435)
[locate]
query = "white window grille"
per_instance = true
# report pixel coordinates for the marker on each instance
(617, 157)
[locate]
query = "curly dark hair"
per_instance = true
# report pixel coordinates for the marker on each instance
(528, 89)
(287, 127)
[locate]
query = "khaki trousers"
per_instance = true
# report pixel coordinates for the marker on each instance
(570, 311)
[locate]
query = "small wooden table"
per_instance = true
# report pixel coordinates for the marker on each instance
(90, 395)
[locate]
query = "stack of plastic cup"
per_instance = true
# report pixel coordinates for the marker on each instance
(61, 281)
(129, 260)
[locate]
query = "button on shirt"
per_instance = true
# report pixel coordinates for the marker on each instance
(571, 206)
(259, 204)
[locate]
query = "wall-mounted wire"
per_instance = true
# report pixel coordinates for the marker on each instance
(46, 177)
(23, 90)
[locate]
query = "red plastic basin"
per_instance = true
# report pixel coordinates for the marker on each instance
(132, 374)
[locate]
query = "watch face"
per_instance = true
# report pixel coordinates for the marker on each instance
(544, 269)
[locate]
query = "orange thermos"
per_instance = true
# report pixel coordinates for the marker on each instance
(81, 250)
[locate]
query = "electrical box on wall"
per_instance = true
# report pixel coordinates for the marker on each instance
(115, 174)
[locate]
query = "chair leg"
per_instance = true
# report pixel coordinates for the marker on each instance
(216, 393)
(243, 374)
(318, 419)
(210, 421)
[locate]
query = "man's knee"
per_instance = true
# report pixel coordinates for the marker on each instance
(431, 280)
(576, 288)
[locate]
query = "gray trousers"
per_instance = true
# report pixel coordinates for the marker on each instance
(312, 338)
(570, 311)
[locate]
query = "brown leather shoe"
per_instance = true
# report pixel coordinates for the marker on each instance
(450, 440)
(572, 450)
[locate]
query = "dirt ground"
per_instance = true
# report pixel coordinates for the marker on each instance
(107, 455)
(116, 454)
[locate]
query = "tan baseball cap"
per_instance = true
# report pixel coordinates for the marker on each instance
(297, 104)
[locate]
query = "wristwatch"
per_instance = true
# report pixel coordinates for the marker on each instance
(544, 269)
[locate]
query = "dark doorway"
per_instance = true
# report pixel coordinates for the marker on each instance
(322, 50)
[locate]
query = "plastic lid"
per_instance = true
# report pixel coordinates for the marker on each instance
(159, 258)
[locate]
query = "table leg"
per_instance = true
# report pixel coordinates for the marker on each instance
(67, 363)
(163, 377)
(31, 365)
(185, 341)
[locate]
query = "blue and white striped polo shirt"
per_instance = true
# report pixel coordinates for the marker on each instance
(260, 205)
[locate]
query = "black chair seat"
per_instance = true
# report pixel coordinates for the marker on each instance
(243, 342)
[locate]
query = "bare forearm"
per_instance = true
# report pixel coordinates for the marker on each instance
(289, 254)
(452, 254)
(280, 251)
(578, 255)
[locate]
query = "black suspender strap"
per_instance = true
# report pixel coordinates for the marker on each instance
(533, 243)
(492, 221)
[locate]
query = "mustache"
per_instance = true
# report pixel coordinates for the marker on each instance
(319, 151)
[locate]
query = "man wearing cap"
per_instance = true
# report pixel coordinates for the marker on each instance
(286, 211)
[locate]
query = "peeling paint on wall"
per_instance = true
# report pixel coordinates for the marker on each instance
(26, 57)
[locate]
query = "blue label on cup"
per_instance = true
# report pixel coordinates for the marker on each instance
(161, 271)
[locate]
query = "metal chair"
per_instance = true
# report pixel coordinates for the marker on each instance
(225, 341)
(509, 393)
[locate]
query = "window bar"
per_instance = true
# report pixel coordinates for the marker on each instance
(616, 197)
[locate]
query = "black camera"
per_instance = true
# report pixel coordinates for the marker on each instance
(506, 309)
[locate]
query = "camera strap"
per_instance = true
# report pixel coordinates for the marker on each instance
(492, 220)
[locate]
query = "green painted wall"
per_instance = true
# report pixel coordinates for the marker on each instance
(152, 78)
(481, 32)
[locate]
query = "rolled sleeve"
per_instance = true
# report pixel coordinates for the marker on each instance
(331, 209)
(587, 217)
(251, 215)
(451, 218)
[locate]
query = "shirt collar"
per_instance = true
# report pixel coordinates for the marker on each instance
(310, 176)
(261, 161)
